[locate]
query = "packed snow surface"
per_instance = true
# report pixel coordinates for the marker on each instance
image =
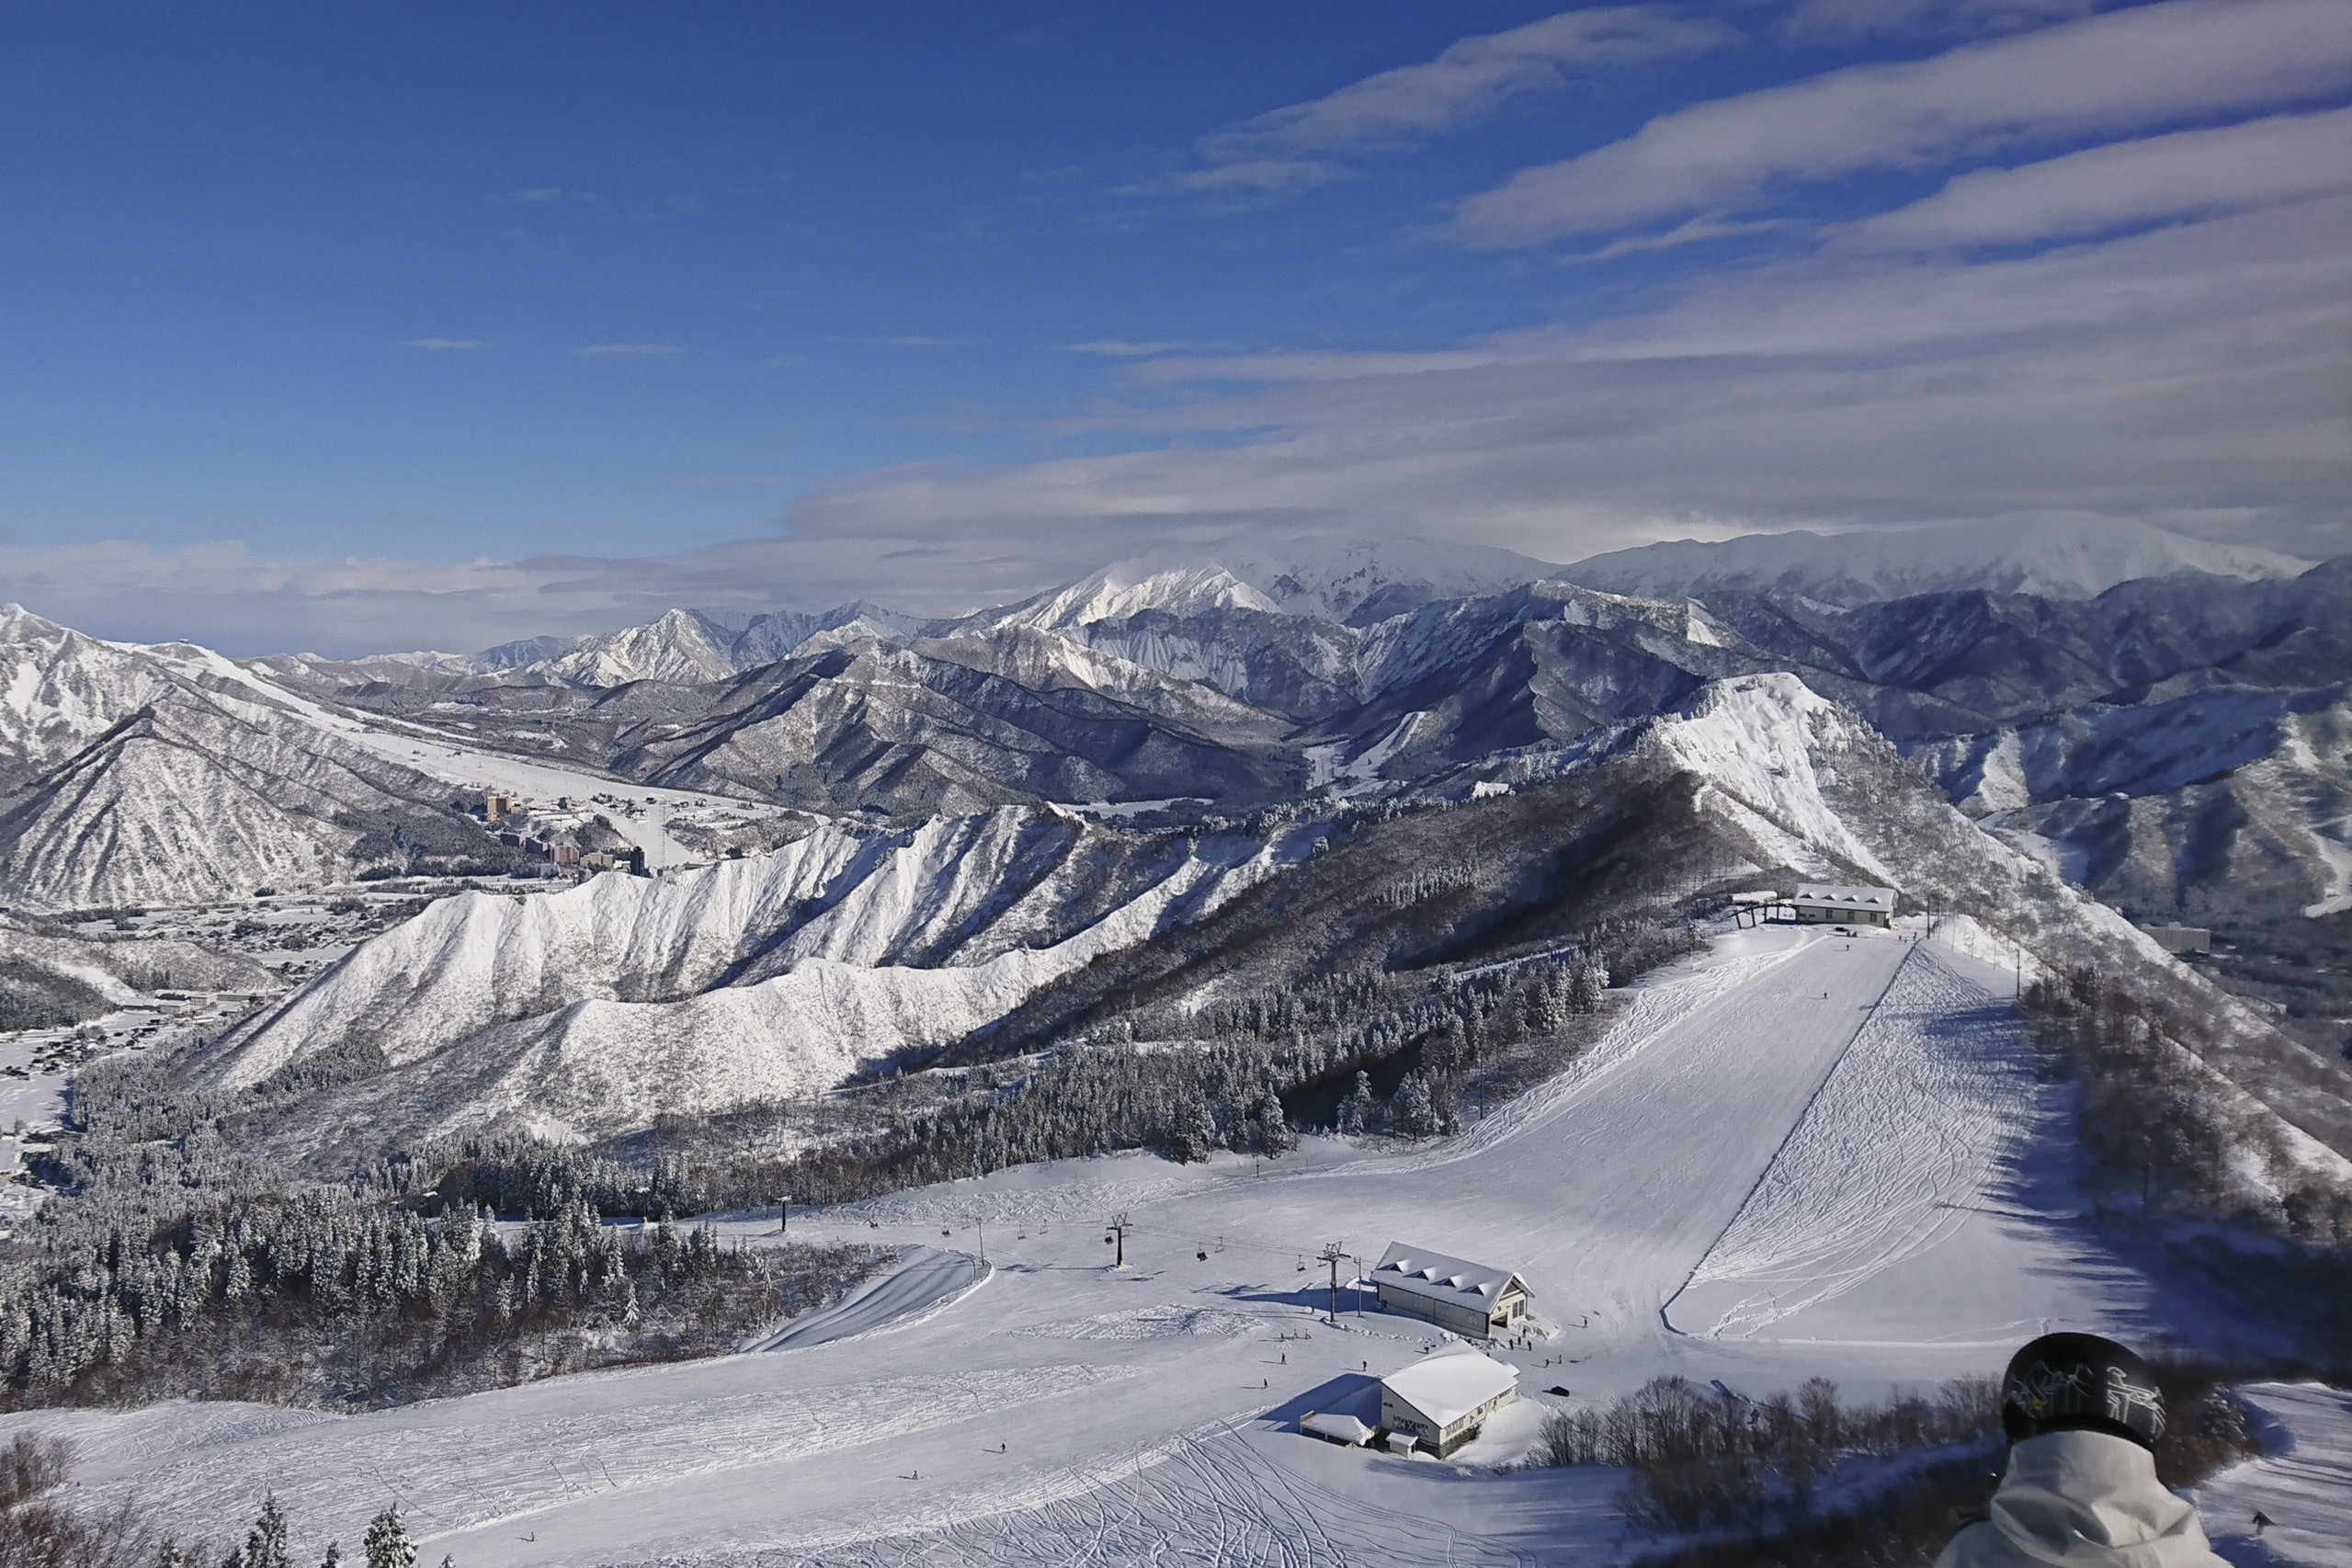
(1904, 1149)
(2303, 1486)
(1066, 1410)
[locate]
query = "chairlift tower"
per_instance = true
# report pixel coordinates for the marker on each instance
(1331, 1254)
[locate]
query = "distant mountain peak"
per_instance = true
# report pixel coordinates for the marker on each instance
(1360, 581)
(1129, 588)
(2061, 557)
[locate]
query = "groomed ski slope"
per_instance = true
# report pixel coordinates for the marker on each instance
(1725, 1136)
(1912, 1147)
(2303, 1485)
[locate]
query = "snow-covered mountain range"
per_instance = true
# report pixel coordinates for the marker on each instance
(967, 817)
(2067, 558)
(171, 775)
(587, 1011)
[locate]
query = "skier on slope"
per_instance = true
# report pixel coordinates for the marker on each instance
(2082, 1416)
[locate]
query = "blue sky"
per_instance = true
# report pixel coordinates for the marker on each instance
(436, 326)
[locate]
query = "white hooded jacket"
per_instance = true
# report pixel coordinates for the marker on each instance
(2087, 1500)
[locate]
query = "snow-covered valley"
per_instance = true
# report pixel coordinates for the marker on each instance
(1158, 1403)
(1080, 894)
(1042, 1405)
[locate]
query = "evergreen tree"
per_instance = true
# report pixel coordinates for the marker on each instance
(1274, 1133)
(1193, 1135)
(388, 1544)
(1445, 1105)
(1358, 1110)
(334, 1558)
(265, 1542)
(1587, 988)
(1415, 1107)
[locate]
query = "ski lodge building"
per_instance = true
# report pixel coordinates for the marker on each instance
(1820, 904)
(1439, 1403)
(1468, 1298)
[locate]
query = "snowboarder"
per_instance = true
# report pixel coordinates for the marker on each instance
(2082, 1416)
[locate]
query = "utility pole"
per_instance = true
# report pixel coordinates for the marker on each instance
(783, 1213)
(1331, 1254)
(1118, 1229)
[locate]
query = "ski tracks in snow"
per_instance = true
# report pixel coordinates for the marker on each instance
(1896, 1150)
(458, 1465)
(1647, 1012)
(1212, 1498)
(920, 1288)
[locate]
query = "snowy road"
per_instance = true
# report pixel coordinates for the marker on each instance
(1066, 1412)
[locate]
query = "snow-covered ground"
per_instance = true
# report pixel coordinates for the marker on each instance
(1834, 1128)
(2303, 1486)
(469, 767)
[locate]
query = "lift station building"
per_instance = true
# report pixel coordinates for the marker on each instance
(1468, 1298)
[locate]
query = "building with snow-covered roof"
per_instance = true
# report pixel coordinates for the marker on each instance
(1443, 1401)
(1825, 903)
(1468, 1297)
(1336, 1426)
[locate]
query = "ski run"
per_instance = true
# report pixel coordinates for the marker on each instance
(1801, 1152)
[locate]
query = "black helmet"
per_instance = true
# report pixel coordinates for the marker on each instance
(2064, 1383)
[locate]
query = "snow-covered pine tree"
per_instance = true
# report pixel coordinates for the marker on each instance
(1590, 984)
(265, 1542)
(1357, 1111)
(1193, 1134)
(1413, 1106)
(388, 1544)
(1273, 1134)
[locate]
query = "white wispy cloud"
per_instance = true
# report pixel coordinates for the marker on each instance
(629, 350)
(1303, 145)
(445, 345)
(1869, 18)
(1315, 365)
(1121, 349)
(538, 195)
(2154, 179)
(2190, 374)
(2121, 72)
